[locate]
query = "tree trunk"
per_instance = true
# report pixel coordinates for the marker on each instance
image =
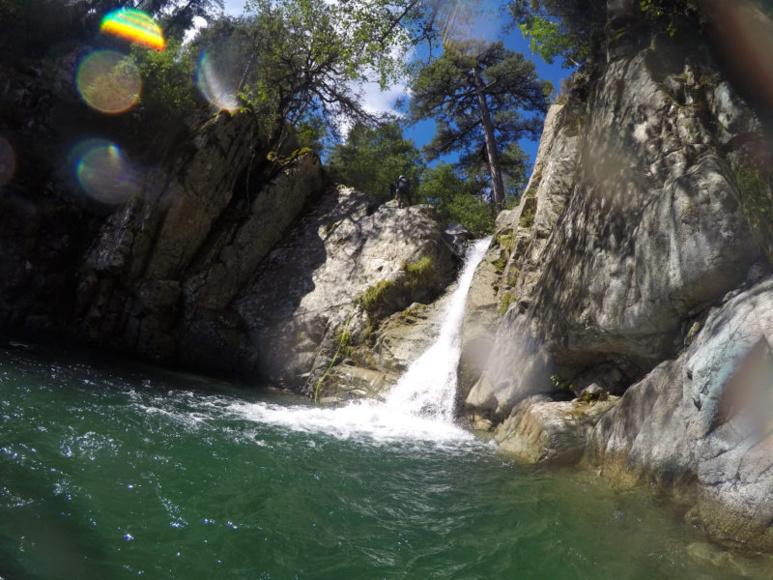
(491, 145)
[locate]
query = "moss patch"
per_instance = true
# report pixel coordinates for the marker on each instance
(506, 240)
(388, 296)
(527, 219)
(419, 274)
(512, 276)
(507, 300)
(373, 296)
(756, 191)
(528, 214)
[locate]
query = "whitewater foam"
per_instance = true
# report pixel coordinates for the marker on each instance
(419, 407)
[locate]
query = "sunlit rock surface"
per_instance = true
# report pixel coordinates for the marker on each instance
(223, 257)
(629, 266)
(541, 430)
(637, 230)
(306, 293)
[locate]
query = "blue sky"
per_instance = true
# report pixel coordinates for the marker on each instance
(489, 26)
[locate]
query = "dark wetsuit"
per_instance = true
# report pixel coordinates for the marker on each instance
(403, 189)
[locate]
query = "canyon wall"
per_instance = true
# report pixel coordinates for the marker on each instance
(634, 288)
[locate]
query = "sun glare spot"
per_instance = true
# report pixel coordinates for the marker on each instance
(214, 88)
(104, 173)
(108, 81)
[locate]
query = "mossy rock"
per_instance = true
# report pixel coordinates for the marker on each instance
(512, 276)
(507, 300)
(374, 296)
(755, 188)
(506, 240)
(389, 296)
(528, 214)
(527, 220)
(419, 274)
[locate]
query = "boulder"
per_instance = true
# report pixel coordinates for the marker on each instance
(346, 266)
(540, 430)
(701, 425)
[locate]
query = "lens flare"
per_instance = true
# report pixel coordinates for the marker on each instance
(108, 81)
(7, 162)
(104, 173)
(135, 26)
(464, 19)
(212, 86)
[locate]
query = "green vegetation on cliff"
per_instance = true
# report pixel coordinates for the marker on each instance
(387, 296)
(373, 157)
(755, 187)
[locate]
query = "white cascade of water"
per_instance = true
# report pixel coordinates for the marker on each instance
(419, 407)
(428, 387)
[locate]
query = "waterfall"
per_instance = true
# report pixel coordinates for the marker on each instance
(428, 387)
(419, 407)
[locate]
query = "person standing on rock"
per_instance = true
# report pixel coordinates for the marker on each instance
(402, 189)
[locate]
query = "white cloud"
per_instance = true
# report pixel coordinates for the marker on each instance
(376, 100)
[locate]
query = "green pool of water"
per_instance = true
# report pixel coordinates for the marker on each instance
(116, 471)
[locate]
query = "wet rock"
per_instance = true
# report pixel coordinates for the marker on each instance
(405, 335)
(458, 236)
(346, 266)
(700, 425)
(630, 268)
(540, 430)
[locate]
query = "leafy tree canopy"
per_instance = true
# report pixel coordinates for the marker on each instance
(300, 61)
(373, 157)
(514, 164)
(570, 29)
(574, 29)
(457, 199)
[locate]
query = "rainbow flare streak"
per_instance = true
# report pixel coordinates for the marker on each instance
(134, 25)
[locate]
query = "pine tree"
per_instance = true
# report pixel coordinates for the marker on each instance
(482, 97)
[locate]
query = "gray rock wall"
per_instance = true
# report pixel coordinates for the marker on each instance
(700, 425)
(306, 293)
(224, 261)
(636, 228)
(630, 269)
(161, 277)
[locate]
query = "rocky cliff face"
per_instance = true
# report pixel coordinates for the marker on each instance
(630, 270)
(320, 295)
(219, 261)
(161, 275)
